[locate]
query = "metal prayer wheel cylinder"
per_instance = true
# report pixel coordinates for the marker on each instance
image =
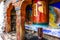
(40, 13)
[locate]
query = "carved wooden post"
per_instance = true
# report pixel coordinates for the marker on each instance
(8, 14)
(23, 15)
(19, 21)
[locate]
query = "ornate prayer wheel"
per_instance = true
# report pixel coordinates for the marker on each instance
(40, 13)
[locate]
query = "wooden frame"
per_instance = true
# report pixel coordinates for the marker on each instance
(20, 28)
(8, 26)
(23, 14)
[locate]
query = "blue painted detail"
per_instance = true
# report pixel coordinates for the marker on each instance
(47, 31)
(17, 8)
(59, 24)
(57, 4)
(29, 9)
(59, 32)
(27, 27)
(16, 0)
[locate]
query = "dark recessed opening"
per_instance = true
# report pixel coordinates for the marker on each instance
(13, 19)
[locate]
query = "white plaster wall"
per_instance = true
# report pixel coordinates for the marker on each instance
(2, 14)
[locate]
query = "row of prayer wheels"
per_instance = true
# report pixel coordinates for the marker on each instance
(39, 16)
